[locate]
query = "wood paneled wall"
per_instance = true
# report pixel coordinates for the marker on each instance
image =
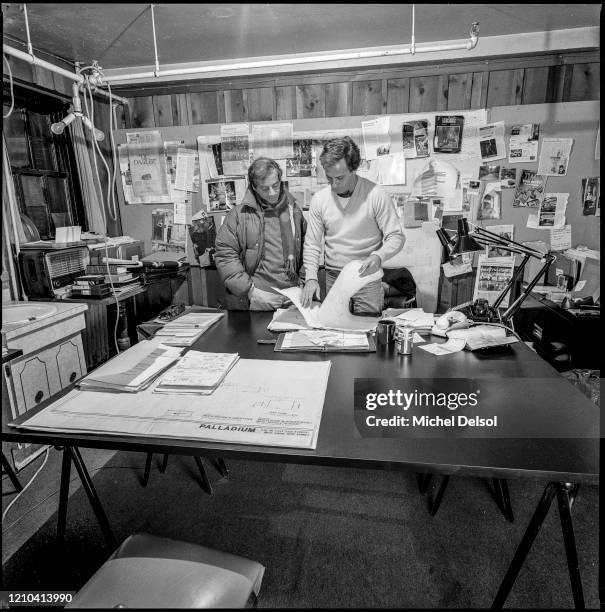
(454, 86)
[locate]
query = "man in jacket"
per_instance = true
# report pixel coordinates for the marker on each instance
(259, 244)
(353, 218)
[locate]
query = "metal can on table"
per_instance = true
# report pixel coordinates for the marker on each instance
(404, 342)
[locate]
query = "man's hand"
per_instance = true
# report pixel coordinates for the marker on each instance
(310, 289)
(370, 265)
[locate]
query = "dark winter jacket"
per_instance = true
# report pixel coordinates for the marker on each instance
(240, 246)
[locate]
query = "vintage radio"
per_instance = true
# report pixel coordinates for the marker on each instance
(48, 271)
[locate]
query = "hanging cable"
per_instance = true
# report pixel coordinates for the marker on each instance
(30, 49)
(18, 496)
(413, 43)
(10, 80)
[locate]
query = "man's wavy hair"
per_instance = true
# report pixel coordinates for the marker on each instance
(260, 168)
(341, 148)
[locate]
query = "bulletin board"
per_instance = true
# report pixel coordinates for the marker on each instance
(577, 120)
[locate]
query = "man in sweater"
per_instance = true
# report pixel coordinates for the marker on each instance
(353, 219)
(259, 244)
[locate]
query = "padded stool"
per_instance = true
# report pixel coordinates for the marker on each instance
(151, 572)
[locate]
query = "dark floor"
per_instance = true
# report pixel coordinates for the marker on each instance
(329, 537)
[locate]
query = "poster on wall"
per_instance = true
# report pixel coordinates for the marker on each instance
(554, 156)
(448, 133)
(523, 143)
(147, 163)
(235, 148)
(530, 190)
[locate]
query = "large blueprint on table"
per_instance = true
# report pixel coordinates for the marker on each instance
(262, 402)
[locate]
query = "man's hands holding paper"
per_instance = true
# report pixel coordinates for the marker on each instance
(310, 290)
(370, 265)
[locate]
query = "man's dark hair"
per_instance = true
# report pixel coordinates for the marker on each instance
(260, 168)
(341, 148)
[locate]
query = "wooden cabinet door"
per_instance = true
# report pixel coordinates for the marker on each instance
(70, 361)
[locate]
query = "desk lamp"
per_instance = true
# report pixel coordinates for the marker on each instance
(480, 237)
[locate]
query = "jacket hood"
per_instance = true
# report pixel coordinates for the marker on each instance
(250, 200)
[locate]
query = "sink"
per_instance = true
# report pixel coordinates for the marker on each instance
(24, 312)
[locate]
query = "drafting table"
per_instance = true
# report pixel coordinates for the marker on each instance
(564, 462)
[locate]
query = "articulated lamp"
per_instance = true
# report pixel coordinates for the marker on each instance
(468, 242)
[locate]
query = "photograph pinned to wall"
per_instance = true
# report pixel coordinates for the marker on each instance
(523, 143)
(560, 239)
(554, 156)
(272, 140)
(235, 148)
(202, 232)
(504, 231)
(303, 161)
(469, 197)
(590, 195)
(165, 234)
(225, 193)
(508, 178)
(491, 141)
(489, 207)
(448, 133)
(415, 139)
(493, 274)
(416, 211)
(376, 137)
(530, 190)
(489, 172)
(148, 167)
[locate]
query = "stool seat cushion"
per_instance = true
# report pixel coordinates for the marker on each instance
(152, 572)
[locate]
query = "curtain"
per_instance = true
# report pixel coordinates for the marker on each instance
(93, 201)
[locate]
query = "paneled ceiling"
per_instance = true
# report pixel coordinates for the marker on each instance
(120, 35)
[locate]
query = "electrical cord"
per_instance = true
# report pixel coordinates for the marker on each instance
(10, 78)
(18, 496)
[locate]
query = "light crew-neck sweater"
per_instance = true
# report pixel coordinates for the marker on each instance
(367, 224)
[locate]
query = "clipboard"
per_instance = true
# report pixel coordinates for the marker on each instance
(326, 348)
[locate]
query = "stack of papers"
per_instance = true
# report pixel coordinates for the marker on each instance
(287, 319)
(133, 369)
(185, 330)
(197, 372)
(417, 319)
(318, 339)
(482, 336)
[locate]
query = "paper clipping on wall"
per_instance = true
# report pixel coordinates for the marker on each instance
(415, 139)
(147, 163)
(508, 178)
(333, 312)
(490, 207)
(590, 195)
(273, 140)
(235, 148)
(376, 137)
(493, 275)
(523, 143)
(560, 239)
(491, 141)
(554, 156)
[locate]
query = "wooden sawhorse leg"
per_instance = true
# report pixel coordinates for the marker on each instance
(566, 494)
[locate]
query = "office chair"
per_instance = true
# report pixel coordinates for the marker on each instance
(205, 483)
(151, 572)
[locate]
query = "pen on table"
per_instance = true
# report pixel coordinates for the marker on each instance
(266, 341)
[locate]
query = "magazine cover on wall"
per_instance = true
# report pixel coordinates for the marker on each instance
(221, 194)
(530, 190)
(415, 139)
(448, 133)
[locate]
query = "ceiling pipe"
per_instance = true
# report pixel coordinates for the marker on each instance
(36, 61)
(294, 60)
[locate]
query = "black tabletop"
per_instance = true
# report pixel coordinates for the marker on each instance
(513, 377)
